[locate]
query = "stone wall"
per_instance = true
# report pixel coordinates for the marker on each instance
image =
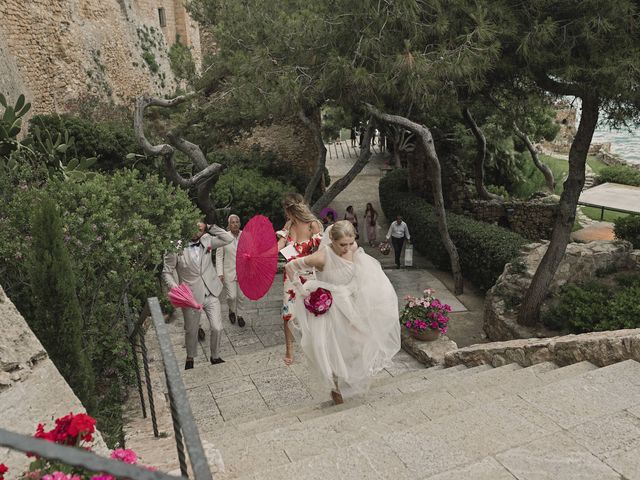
(599, 348)
(291, 140)
(32, 390)
(531, 219)
(581, 262)
(58, 50)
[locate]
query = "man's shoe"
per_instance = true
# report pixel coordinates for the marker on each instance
(232, 317)
(215, 361)
(200, 334)
(188, 365)
(241, 321)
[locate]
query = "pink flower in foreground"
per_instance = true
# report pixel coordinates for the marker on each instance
(125, 455)
(102, 477)
(60, 476)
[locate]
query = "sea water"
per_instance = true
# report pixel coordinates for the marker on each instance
(624, 143)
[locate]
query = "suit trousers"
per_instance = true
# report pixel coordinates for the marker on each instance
(211, 307)
(397, 248)
(235, 298)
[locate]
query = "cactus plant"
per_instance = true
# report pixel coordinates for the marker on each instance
(11, 123)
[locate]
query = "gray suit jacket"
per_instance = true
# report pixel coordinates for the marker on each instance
(226, 260)
(200, 278)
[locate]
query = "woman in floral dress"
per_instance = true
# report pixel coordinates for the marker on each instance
(304, 231)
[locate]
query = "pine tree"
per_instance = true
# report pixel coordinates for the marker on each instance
(57, 320)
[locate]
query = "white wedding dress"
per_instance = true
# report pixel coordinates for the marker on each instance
(360, 333)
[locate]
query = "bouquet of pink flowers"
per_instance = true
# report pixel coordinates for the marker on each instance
(420, 314)
(319, 301)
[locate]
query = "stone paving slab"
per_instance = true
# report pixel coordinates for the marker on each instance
(486, 469)
(414, 282)
(553, 457)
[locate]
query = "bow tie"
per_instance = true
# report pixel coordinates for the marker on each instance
(196, 244)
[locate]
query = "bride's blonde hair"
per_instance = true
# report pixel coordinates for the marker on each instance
(341, 229)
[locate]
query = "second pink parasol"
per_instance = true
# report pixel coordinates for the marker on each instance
(257, 257)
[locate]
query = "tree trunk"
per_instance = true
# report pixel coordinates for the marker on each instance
(424, 134)
(396, 148)
(478, 166)
(339, 185)
(321, 158)
(205, 176)
(537, 292)
(546, 171)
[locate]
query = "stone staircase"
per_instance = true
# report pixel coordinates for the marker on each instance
(577, 421)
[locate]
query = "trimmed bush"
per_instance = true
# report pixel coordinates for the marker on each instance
(628, 228)
(484, 249)
(594, 306)
(620, 174)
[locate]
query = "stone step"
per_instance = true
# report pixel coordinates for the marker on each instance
(519, 426)
(384, 388)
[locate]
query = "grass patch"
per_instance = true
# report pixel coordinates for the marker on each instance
(595, 164)
(609, 216)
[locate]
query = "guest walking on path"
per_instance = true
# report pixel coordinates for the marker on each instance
(358, 334)
(351, 216)
(398, 232)
(303, 231)
(371, 222)
(193, 265)
(226, 268)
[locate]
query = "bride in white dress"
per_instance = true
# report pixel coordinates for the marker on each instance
(360, 333)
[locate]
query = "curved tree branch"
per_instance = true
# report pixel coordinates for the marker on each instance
(546, 171)
(424, 135)
(205, 175)
(339, 185)
(478, 166)
(320, 160)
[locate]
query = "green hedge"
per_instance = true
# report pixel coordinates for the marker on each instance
(628, 228)
(620, 174)
(484, 249)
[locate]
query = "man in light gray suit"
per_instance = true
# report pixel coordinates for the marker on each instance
(194, 266)
(226, 268)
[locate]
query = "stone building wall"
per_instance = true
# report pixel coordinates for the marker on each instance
(58, 50)
(531, 219)
(32, 390)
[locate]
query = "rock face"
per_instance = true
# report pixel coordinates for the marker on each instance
(58, 50)
(32, 390)
(599, 348)
(581, 262)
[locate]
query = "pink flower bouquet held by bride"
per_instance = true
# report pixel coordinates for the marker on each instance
(319, 301)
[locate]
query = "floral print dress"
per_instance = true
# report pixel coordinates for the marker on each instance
(304, 249)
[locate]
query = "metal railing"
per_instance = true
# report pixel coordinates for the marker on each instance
(603, 208)
(78, 457)
(184, 427)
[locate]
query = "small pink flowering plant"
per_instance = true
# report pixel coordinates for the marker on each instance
(420, 314)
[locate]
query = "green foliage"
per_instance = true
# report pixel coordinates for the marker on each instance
(108, 141)
(181, 62)
(11, 123)
(484, 249)
(57, 320)
(251, 193)
(628, 228)
(116, 229)
(333, 120)
(594, 306)
(623, 174)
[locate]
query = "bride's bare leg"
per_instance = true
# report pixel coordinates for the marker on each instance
(288, 337)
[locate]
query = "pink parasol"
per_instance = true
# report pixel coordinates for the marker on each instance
(181, 296)
(257, 257)
(325, 210)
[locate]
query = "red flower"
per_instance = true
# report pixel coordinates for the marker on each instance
(69, 430)
(303, 280)
(286, 317)
(3, 469)
(291, 293)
